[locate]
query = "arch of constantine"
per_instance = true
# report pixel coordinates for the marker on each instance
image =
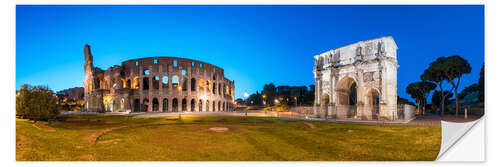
(357, 81)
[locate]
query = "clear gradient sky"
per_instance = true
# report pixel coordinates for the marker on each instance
(255, 45)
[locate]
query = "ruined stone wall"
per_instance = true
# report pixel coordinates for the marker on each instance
(160, 84)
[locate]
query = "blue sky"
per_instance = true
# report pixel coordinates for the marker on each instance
(255, 45)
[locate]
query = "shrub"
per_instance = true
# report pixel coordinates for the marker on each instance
(36, 103)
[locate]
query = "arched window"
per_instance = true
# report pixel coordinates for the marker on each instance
(156, 104)
(213, 106)
(208, 86)
(218, 106)
(137, 105)
(145, 72)
(207, 105)
(156, 82)
(145, 83)
(164, 81)
(122, 105)
(193, 103)
(145, 105)
(201, 84)
(184, 105)
(135, 84)
(183, 72)
(174, 105)
(193, 84)
(175, 63)
(213, 87)
(127, 83)
(165, 105)
(175, 81)
(192, 63)
(155, 61)
(220, 89)
(184, 84)
(200, 106)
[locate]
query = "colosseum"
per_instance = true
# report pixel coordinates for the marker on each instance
(157, 84)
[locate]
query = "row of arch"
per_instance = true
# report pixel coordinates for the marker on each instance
(195, 105)
(208, 85)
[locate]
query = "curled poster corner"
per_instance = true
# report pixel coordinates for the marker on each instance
(451, 133)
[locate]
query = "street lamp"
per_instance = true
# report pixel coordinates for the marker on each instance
(264, 98)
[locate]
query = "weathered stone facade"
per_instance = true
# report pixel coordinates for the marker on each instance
(157, 84)
(357, 81)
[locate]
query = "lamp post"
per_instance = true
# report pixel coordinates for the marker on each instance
(264, 98)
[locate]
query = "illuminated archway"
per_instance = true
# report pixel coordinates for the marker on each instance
(347, 96)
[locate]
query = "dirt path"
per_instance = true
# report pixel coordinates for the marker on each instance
(94, 138)
(43, 127)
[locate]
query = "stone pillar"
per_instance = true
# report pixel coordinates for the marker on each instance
(160, 79)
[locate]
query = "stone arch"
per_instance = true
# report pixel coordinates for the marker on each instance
(218, 106)
(135, 84)
(193, 84)
(122, 104)
(200, 106)
(184, 84)
(137, 105)
(372, 101)
(156, 82)
(193, 105)
(213, 106)
(127, 83)
(207, 105)
(214, 86)
(175, 81)
(156, 104)
(347, 99)
(145, 83)
(165, 105)
(145, 104)
(184, 105)
(175, 105)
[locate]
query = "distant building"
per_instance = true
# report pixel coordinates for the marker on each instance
(292, 93)
(75, 94)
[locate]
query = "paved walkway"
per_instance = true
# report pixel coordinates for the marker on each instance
(428, 120)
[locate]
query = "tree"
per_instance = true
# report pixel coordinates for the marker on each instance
(468, 90)
(309, 96)
(270, 93)
(36, 103)
(455, 67)
(419, 91)
(436, 98)
(447, 69)
(480, 96)
(254, 99)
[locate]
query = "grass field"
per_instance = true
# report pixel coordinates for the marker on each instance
(120, 138)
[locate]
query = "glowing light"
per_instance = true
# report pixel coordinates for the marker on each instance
(245, 94)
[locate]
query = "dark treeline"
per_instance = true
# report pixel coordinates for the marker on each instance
(446, 70)
(271, 95)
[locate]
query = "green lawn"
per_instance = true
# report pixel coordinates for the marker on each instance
(119, 138)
